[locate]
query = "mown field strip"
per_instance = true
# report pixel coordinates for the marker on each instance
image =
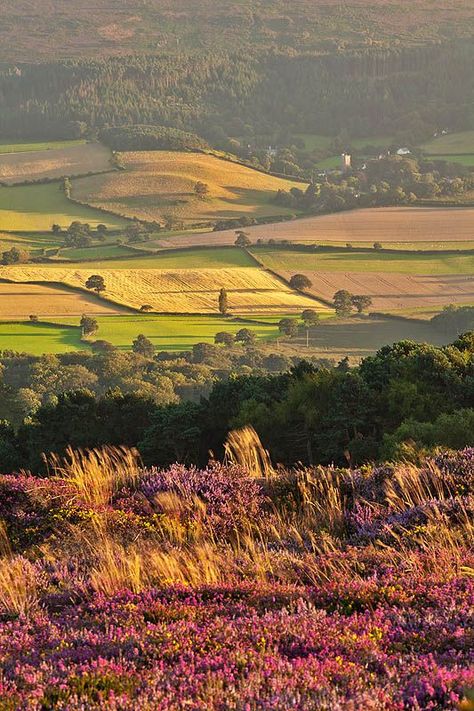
(178, 291)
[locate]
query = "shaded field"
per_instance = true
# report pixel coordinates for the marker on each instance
(390, 224)
(467, 159)
(179, 290)
(394, 291)
(38, 207)
(344, 260)
(157, 185)
(18, 301)
(38, 339)
(224, 258)
(54, 163)
(359, 337)
(6, 147)
(460, 142)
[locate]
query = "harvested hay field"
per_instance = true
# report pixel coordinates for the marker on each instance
(179, 290)
(385, 225)
(157, 185)
(392, 292)
(18, 301)
(54, 163)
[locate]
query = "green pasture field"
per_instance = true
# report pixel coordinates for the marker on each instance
(32, 243)
(353, 261)
(97, 252)
(173, 333)
(37, 207)
(38, 339)
(461, 142)
(467, 159)
(218, 258)
(330, 163)
(6, 147)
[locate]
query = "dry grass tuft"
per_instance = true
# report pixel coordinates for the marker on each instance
(96, 474)
(243, 447)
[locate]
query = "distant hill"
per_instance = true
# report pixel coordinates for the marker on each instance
(43, 29)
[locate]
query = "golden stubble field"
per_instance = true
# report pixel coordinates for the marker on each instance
(19, 301)
(156, 185)
(384, 224)
(178, 290)
(54, 163)
(392, 292)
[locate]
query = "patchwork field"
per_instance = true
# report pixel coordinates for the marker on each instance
(76, 159)
(386, 225)
(392, 292)
(178, 291)
(36, 208)
(157, 185)
(18, 301)
(38, 339)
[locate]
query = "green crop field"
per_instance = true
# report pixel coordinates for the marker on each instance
(6, 147)
(353, 261)
(39, 338)
(37, 207)
(175, 333)
(218, 258)
(467, 159)
(461, 142)
(97, 252)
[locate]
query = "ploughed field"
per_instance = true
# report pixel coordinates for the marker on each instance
(75, 159)
(385, 225)
(178, 290)
(157, 185)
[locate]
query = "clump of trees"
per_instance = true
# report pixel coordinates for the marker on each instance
(300, 282)
(151, 138)
(344, 302)
(15, 255)
(223, 302)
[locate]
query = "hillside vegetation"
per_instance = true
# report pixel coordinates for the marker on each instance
(159, 185)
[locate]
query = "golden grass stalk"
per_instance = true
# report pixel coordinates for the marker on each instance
(96, 474)
(411, 486)
(243, 447)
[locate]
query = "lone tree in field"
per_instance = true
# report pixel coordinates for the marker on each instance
(300, 282)
(101, 232)
(146, 308)
(96, 283)
(89, 325)
(361, 302)
(343, 302)
(378, 246)
(201, 190)
(143, 346)
(223, 302)
(242, 239)
(288, 326)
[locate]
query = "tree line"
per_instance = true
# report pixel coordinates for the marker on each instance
(399, 403)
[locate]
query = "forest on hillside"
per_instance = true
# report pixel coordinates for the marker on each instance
(410, 91)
